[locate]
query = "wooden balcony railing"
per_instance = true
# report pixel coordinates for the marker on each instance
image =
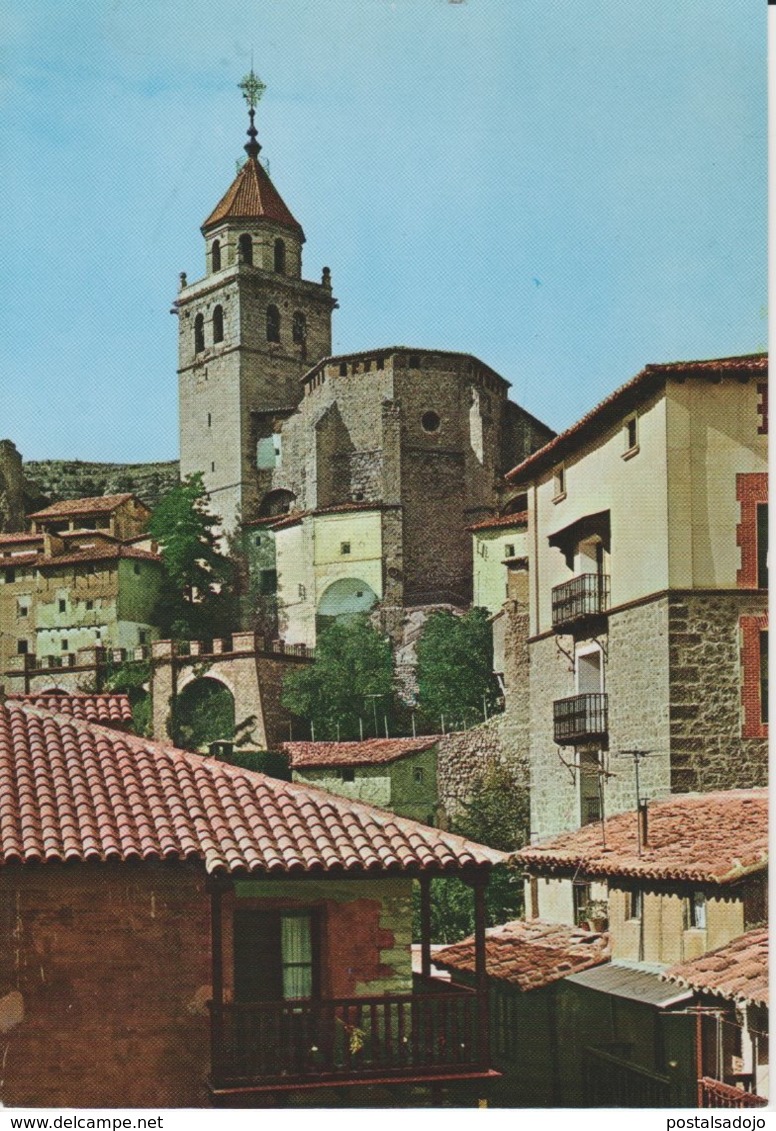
(581, 599)
(407, 1036)
(580, 718)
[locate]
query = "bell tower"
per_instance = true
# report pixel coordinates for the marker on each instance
(248, 331)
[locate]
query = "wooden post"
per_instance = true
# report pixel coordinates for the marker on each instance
(425, 926)
(480, 883)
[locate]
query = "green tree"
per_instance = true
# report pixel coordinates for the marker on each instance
(133, 678)
(455, 668)
(196, 596)
(352, 663)
(497, 814)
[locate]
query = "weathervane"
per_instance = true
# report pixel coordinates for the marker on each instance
(252, 89)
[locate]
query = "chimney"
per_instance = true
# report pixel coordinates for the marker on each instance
(643, 825)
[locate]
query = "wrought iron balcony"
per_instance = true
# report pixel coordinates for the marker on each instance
(266, 1045)
(580, 718)
(580, 599)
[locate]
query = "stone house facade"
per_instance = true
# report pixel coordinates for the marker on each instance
(73, 584)
(648, 602)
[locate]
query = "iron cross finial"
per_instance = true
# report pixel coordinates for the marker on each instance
(252, 88)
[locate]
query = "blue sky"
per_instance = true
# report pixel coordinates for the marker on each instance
(567, 191)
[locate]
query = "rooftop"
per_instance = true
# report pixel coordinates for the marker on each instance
(252, 196)
(507, 520)
(71, 791)
(529, 953)
(737, 971)
(706, 838)
(370, 752)
(623, 400)
(110, 708)
(102, 504)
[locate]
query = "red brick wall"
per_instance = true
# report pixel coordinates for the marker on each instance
(751, 627)
(112, 967)
(751, 489)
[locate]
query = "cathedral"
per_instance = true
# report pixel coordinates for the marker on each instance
(355, 478)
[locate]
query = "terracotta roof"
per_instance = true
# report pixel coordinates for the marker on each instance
(370, 752)
(709, 837)
(622, 400)
(74, 791)
(102, 504)
(97, 554)
(252, 196)
(108, 708)
(12, 539)
(737, 971)
(530, 953)
(520, 519)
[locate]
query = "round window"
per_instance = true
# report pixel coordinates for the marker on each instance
(430, 422)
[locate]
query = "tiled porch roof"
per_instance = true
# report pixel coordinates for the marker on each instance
(72, 791)
(737, 971)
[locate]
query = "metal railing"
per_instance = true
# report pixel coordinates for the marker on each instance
(580, 717)
(717, 1094)
(579, 599)
(257, 1043)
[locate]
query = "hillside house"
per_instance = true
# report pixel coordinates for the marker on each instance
(178, 931)
(648, 605)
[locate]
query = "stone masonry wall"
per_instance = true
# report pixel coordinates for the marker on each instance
(104, 976)
(464, 756)
(707, 748)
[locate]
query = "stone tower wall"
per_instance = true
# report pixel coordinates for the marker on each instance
(12, 517)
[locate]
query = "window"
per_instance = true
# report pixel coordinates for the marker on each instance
(273, 324)
(418, 775)
(275, 954)
(581, 897)
(142, 636)
(299, 328)
(509, 550)
(634, 904)
(136, 569)
(762, 545)
(631, 435)
(23, 610)
(764, 676)
(62, 605)
(344, 547)
(343, 369)
(218, 323)
(268, 582)
(63, 644)
(10, 575)
(589, 788)
(89, 605)
(348, 773)
(559, 483)
(430, 422)
(22, 647)
(280, 257)
(216, 255)
(695, 911)
(209, 420)
(199, 333)
(212, 468)
(245, 249)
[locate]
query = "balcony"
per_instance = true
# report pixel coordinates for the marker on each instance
(580, 718)
(584, 598)
(269, 1046)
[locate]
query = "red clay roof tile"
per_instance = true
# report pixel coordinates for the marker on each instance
(71, 790)
(107, 708)
(370, 752)
(101, 504)
(252, 196)
(519, 519)
(737, 971)
(708, 837)
(530, 953)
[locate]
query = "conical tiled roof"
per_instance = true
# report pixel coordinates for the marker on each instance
(252, 196)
